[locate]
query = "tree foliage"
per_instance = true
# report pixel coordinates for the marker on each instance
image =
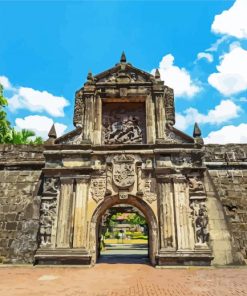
(4, 123)
(8, 135)
(23, 137)
(136, 219)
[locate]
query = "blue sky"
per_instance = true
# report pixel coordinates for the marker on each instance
(200, 47)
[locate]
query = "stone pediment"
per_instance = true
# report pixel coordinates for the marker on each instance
(172, 136)
(123, 73)
(175, 136)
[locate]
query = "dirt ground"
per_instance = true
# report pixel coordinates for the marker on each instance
(120, 280)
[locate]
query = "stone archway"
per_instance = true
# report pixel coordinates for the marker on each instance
(136, 202)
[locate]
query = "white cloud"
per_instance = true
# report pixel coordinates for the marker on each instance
(231, 77)
(34, 100)
(232, 22)
(228, 134)
(41, 125)
(204, 55)
(5, 83)
(37, 101)
(223, 112)
(218, 42)
(177, 78)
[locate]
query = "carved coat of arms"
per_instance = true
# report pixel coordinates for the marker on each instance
(98, 188)
(123, 171)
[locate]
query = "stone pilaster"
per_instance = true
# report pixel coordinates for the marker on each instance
(150, 120)
(64, 222)
(80, 212)
(98, 120)
(160, 116)
(139, 179)
(185, 233)
(167, 219)
(88, 125)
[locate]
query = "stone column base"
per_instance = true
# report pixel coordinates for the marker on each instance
(62, 256)
(184, 258)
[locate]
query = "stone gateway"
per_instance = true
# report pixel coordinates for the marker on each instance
(124, 149)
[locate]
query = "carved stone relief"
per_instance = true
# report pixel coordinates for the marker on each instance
(148, 193)
(48, 213)
(123, 171)
(200, 221)
(171, 137)
(195, 185)
(98, 188)
(124, 125)
(77, 139)
(79, 109)
(51, 186)
(182, 160)
(169, 106)
(123, 195)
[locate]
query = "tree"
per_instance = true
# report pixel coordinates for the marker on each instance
(4, 123)
(23, 137)
(8, 135)
(136, 219)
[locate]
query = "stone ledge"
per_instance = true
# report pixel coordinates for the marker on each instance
(62, 256)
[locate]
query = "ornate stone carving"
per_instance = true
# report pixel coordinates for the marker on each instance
(123, 171)
(182, 160)
(51, 186)
(200, 221)
(48, 213)
(79, 109)
(148, 194)
(169, 106)
(98, 188)
(123, 195)
(171, 137)
(195, 184)
(124, 125)
(126, 131)
(77, 139)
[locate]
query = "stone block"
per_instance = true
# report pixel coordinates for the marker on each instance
(11, 226)
(5, 209)
(10, 217)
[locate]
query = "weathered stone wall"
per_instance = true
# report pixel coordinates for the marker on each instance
(227, 186)
(20, 170)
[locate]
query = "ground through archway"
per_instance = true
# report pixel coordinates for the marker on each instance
(125, 232)
(123, 235)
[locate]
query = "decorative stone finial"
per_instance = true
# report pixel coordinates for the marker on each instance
(157, 74)
(197, 132)
(52, 135)
(123, 58)
(90, 76)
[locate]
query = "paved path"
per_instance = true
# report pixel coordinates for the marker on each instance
(124, 253)
(121, 280)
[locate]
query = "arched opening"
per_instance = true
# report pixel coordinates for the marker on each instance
(135, 202)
